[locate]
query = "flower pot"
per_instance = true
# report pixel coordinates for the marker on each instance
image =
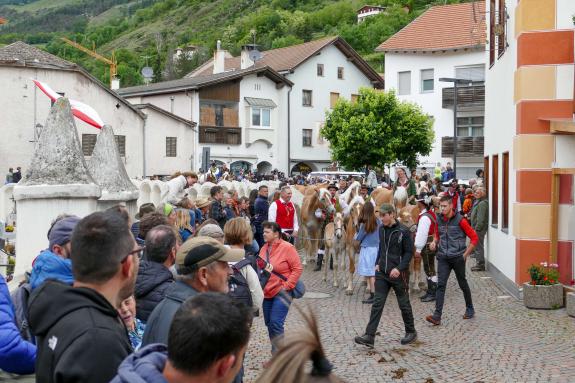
(542, 296)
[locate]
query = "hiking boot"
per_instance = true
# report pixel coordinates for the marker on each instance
(478, 268)
(319, 262)
(366, 340)
(369, 301)
(469, 313)
(431, 289)
(434, 321)
(409, 337)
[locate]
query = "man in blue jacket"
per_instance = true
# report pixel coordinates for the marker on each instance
(261, 208)
(17, 356)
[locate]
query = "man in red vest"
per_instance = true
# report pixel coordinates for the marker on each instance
(426, 228)
(282, 211)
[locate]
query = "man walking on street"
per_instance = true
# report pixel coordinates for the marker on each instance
(392, 263)
(452, 253)
(261, 207)
(479, 220)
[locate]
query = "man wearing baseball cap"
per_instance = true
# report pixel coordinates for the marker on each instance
(202, 265)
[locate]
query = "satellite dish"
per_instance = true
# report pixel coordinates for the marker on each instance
(255, 55)
(147, 72)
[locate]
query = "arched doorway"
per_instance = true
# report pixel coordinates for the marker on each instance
(238, 166)
(264, 168)
(301, 168)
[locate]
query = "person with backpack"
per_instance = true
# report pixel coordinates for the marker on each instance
(426, 229)
(244, 282)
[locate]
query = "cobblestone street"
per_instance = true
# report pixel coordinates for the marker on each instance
(505, 342)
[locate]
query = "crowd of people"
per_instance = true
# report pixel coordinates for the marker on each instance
(169, 295)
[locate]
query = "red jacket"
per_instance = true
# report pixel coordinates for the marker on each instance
(285, 261)
(285, 214)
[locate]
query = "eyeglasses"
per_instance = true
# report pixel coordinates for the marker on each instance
(139, 251)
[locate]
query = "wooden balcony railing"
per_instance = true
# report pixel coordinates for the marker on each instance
(467, 96)
(220, 135)
(466, 147)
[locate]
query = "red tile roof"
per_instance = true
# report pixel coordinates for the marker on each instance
(444, 27)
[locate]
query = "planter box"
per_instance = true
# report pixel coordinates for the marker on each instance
(543, 297)
(570, 304)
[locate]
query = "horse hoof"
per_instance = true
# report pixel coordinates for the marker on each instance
(348, 292)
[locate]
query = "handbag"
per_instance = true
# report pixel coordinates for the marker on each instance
(298, 291)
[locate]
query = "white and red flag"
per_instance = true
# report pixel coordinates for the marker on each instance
(82, 111)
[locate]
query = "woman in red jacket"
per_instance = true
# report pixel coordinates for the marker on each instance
(281, 257)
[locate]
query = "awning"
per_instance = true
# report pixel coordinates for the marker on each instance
(260, 102)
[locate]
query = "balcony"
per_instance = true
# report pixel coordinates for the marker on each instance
(468, 97)
(220, 135)
(467, 147)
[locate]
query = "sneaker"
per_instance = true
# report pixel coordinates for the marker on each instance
(469, 313)
(366, 340)
(368, 301)
(429, 298)
(434, 321)
(409, 337)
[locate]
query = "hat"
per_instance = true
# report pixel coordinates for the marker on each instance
(211, 230)
(424, 198)
(146, 208)
(201, 251)
(61, 232)
(332, 186)
(167, 209)
(202, 202)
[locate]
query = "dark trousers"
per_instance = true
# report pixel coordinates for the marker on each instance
(275, 312)
(259, 237)
(383, 284)
(444, 267)
(428, 259)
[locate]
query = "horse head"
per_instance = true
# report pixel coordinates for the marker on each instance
(355, 207)
(351, 192)
(338, 224)
(324, 198)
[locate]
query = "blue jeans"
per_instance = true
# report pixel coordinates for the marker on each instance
(275, 312)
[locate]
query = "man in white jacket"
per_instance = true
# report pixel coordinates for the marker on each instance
(175, 187)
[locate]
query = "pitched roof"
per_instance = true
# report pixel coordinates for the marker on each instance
(288, 58)
(441, 28)
(24, 54)
(165, 113)
(188, 83)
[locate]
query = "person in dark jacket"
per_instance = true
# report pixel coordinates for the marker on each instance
(479, 223)
(154, 275)
(391, 267)
(80, 335)
(211, 351)
(217, 211)
(261, 208)
(202, 264)
(452, 252)
(17, 356)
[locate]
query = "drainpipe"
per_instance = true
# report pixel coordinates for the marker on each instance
(194, 148)
(144, 145)
(289, 131)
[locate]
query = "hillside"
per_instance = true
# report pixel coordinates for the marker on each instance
(146, 32)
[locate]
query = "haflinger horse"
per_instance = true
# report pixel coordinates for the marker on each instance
(352, 214)
(311, 224)
(334, 240)
(349, 193)
(408, 215)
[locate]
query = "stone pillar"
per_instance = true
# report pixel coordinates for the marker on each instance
(109, 172)
(56, 182)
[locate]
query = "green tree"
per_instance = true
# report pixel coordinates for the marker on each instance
(377, 129)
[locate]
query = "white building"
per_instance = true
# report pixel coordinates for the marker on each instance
(367, 11)
(444, 42)
(25, 108)
(529, 138)
(321, 71)
(240, 116)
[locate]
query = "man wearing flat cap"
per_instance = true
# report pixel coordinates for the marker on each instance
(202, 265)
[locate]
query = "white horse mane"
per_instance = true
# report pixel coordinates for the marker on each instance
(322, 193)
(357, 199)
(354, 186)
(400, 195)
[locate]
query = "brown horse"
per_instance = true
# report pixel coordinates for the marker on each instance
(351, 228)
(334, 239)
(311, 224)
(381, 196)
(408, 216)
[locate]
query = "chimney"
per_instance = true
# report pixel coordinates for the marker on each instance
(219, 59)
(245, 59)
(115, 83)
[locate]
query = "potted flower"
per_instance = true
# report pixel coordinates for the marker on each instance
(544, 291)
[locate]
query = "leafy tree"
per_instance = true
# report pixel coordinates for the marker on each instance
(377, 129)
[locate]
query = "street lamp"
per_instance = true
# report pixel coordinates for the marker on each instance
(455, 82)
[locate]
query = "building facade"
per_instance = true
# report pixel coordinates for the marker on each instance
(529, 141)
(444, 42)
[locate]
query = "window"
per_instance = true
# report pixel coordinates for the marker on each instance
(505, 192)
(427, 82)
(491, 32)
(121, 142)
(306, 134)
(261, 117)
(320, 70)
(470, 126)
(472, 72)
(171, 146)
(404, 83)
(340, 72)
(501, 29)
(495, 191)
(88, 143)
(333, 97)
(354, 98)
(306, 97)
